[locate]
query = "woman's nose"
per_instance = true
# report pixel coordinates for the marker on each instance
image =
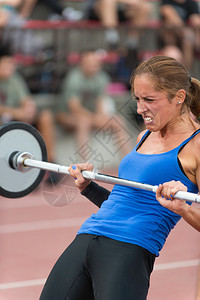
(141, 107)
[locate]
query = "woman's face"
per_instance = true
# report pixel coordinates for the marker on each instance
(154, 106)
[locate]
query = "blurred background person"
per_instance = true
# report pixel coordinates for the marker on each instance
(8, 10)
(180, 12)
(13, 19)
(113, 12)
(84, 104)
(57, 11)
(172, 51)
(181, 17)
(16, 103)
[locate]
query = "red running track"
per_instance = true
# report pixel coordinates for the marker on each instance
(34, 233)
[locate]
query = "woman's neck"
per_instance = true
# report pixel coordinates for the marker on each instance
(184, 124)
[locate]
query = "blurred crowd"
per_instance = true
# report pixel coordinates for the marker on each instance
(83, 102)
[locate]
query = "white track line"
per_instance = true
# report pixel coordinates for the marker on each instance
(177, 265)
(22, 284)
(41, 225)
(158, 267)
(37, 202)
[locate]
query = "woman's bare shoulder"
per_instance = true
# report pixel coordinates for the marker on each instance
(141, 135)
(194, 146)
(196, 141)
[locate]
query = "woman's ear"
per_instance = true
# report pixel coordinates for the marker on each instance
(180, 96)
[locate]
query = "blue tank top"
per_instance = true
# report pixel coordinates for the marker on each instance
(134, 215)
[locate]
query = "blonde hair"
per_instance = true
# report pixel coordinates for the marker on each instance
(167, 74)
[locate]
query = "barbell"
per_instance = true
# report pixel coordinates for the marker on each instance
(23, 162)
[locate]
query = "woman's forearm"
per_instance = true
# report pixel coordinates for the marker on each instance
(191, 214)
(95, 193)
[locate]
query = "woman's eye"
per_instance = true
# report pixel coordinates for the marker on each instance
(149, 100)
(136, 98)
(145, 99)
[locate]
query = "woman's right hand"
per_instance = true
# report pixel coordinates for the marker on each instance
(165, 195)
(75, 171)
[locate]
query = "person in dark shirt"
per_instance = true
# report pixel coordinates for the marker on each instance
(181, 17)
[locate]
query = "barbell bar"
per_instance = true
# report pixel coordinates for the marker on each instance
(24, 160)
(21, 163)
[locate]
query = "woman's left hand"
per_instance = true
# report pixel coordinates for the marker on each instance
(165, 195)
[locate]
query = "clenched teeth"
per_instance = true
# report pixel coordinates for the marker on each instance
(148, 119)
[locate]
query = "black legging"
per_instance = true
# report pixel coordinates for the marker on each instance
(96, 267)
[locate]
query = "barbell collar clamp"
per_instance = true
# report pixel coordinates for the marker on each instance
(17, 158)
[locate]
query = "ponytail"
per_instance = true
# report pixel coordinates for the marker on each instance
(193, 98)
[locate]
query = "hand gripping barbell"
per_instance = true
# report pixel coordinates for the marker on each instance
(21, 144)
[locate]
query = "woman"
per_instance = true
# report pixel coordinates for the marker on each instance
(113, 254)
